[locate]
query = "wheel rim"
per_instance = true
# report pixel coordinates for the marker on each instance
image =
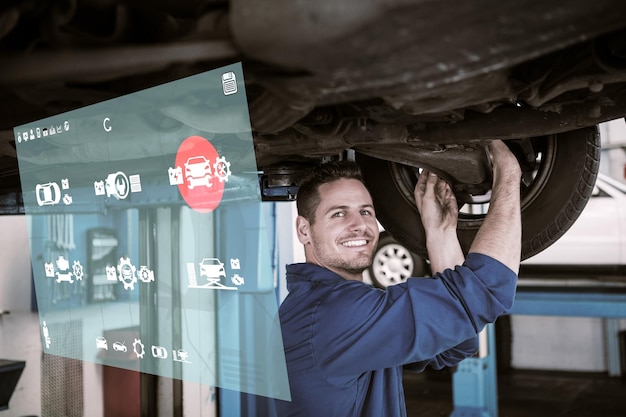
(392, 264)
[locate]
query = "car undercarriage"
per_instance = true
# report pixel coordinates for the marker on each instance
(401, 85)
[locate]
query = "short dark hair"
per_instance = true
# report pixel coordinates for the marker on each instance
(308, 199)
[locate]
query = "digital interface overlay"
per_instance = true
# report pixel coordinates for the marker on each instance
(148, 239)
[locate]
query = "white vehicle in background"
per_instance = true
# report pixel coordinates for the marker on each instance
(594, 246)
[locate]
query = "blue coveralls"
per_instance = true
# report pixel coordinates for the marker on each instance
(345, 342)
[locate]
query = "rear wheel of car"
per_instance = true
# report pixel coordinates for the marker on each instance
(555, 188)
(393, 263)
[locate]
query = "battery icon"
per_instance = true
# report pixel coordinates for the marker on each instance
(229, 83)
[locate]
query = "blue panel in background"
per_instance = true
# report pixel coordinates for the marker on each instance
(147, 234)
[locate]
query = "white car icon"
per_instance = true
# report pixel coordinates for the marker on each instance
(119, 347)
(198, 172)
(48, 194)
(101, 343)
(212, 268)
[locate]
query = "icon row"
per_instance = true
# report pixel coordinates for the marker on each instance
(198, 172)
(139, 348)
(62, 272)
(124, 272)
(116, 184)
(209, 276)
(42, 132)
(127, 273)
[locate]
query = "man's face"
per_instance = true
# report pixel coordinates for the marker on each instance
(345, 232)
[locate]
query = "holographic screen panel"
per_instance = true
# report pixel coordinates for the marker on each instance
(148, 237)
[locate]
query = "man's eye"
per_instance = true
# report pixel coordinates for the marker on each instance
(338, 214)
(366, 212)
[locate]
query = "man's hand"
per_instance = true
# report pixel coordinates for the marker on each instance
(503, 162)
(436, 203)
(439, 212)
(500, 235)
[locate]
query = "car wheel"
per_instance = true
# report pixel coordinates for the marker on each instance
(555, 188)
(393, 263)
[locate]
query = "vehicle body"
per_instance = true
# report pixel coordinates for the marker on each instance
(212, 268)
(403, 85)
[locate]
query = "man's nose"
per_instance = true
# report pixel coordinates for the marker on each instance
(357, 222)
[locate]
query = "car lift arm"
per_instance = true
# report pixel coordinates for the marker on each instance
(475, 389)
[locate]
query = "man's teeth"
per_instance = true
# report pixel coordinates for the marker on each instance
(352, 243)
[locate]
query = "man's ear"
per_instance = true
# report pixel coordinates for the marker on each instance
(303, 229)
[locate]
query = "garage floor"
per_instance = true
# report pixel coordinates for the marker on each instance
(525, 394)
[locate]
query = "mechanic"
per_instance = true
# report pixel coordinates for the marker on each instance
(345, 341)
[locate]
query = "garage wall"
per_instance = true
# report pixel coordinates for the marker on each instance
(558, 343)
(15, 274)
(19, 331)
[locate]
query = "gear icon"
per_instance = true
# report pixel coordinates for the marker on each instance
(77, 268)
(146, 275)
(221, 169)
(138, 348)
(127, 273)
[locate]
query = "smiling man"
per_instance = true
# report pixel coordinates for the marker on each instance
(345, 341)
(343, 232)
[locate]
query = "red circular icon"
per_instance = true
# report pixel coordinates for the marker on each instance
(201, 187)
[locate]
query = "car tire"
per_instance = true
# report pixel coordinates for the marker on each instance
(393, 263)
(560, 187)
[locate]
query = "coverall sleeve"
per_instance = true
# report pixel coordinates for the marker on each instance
(449, 357)
(431, 320)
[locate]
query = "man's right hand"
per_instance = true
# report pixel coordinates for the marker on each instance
(503, 161)
(500, 235)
